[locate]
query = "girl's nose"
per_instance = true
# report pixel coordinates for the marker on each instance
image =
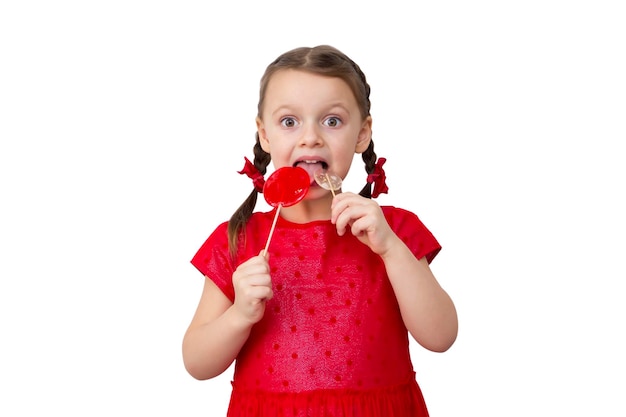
(311, 136)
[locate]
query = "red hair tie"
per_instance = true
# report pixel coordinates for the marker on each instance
(254, 174)
(378, 177)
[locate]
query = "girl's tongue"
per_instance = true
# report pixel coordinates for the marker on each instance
(311, 168)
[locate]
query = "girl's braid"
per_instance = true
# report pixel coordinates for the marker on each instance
(241, 216)
(368, 156)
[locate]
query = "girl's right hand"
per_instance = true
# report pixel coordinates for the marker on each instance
(253, 287)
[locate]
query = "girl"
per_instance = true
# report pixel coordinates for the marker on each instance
(319, 325)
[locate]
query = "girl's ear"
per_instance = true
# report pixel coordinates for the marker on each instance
(365, 135)
(260, 127)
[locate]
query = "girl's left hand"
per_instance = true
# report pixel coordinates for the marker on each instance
(365, 219)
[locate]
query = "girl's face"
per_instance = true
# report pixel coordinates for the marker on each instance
(312, 121)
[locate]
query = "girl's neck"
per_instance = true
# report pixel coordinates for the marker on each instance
(308, 210)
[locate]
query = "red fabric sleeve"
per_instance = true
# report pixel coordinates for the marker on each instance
(213, 260)
(412, 232)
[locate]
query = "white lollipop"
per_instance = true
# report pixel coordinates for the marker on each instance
(328, 180)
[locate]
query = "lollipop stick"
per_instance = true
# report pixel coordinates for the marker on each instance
(267, 245)
(330, 184)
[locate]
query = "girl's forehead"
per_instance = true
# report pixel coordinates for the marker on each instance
(299, 76)
(290, 85)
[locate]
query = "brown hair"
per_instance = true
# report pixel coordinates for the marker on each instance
(323, 60)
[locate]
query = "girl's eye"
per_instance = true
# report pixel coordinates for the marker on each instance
(288, 122)
(332, 122)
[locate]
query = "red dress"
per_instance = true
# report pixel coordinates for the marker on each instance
(332, 341)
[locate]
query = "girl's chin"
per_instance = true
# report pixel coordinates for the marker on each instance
(317, 192)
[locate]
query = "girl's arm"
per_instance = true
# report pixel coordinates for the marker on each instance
(220, 328)
(427, 310)
(215, 335)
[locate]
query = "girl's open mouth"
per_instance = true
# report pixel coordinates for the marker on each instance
(311, 166)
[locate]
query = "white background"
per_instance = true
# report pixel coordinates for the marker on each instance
(123, 124)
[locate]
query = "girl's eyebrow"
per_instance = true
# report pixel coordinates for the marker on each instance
(290, 108)
(281, 109)
(339, 106)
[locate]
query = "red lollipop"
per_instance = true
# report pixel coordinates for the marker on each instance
(285, 187)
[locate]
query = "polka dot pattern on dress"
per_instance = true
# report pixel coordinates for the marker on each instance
(329, 318)
(332, 325)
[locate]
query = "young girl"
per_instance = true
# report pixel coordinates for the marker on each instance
(318, 325)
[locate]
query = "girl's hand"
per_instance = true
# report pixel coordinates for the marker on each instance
(365, 219)
(253, 287)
